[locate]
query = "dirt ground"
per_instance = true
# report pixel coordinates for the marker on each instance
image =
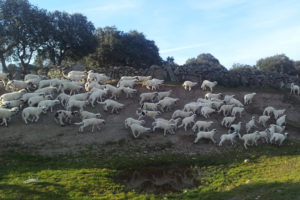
(47, 138)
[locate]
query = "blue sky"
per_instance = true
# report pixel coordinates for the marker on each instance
(234, 31)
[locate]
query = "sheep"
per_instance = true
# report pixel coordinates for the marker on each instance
(80, 96)
(153, 84)
(193, 107)
(76, 103)
(227, 98)
(263, 134)
(211, 96)
(47, 90)
(102, 78)
(25, 97)
(235, 102)
(71, 86)
(115, 106)
(250, 137)
(6, 114)
(281, 120)
(139, 129)
(63, 98)
(90, 85)
(206, 111)
(18, 85)
(12, 95)
(202, 125)
(87, 115)
(150, 106)
(4, 77)
(115, 92)
(126, 83)
(226, 109)
(32, 101)
(148, 113)
(263, 119)
(278, 113)
(123, 78)
(181, 113)
(149, 96)
(34, 112)
(75, 76)
(268, 110)
(12, 103)
(49, 82)
(130, 121)
(209, 84)
(74, 72)
(278, 137)
(31, 76)
(276, 128)
(235, 127)
(64, 116)
(96, 95)
(227, 121)
(229, 137)
(295, 89)
(206, 135)
(90, 122)
(187, 85)
(236, 110)
(48, 104)
(161, 95)
(143, 78)
(166, 125)
(188, 121)
(250, 124)
(128, 91)
(166, 103)
(248, 98)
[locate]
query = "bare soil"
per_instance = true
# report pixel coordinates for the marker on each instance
(48, 138)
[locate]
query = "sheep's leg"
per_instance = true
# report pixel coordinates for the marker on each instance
(221, 142)
(196, 140)
(93, 128)
(245, 144)
(165, 132)
(214, 141)
(37, 118)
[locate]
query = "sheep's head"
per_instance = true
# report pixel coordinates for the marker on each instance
(15, 110)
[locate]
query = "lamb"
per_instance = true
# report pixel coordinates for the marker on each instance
(166, 125)
(48, 104)
(64, 116)
(148, 113)
(263, 119)
(128, 91)
(226, 109)
(188, 121)
(161, 95)
(248, 98)
(153, 84)
(206, 111)
(166, 103)
(12, 95)
(6, 114)
(278, 113)
(295, 89)
(181, 113)
(229, 137)
(276, 128)
(149, 96)
(130, 121)
(236, 110)
(235, 102)
(150, 106)
(211, 96)
(63, 98)
(268, 110)
(281, 120)
(250, 124)
(126, 83)
(278, 137)
(250, 137)
(138, 129)
(34, 112)
(227, 121)
(113, 104)
(206, 135)
(87, 115)
(76, 103)
(90, 122)
(188, 85)
(235, 127)
(96, 95)
(209, 84)
(202, 125)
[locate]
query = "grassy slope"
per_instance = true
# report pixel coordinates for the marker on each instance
(271, 173)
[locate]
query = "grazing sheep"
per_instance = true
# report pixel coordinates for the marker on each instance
(115, 92)
(235, 102)
(149, 96)
(161, 95)
(211, 96)
(34, 112)
(263, 119)
(63, 98)
(143, 78)
(278, 113)
(64, 116)
(281, 120)
(236, 110)
(87, 115)
(250, 124)
(166, 125)
(6, 114)
(148, 113)
(47, 90)
(137, 129)
(71, 86)
(97, 94)
(181, 113)
(278, 137)
(295, 89)
(250, 137)
(35, 100)
(25, 97)
(12, 95)
(202, 125)
(77, 104)
(90, 85)
(153, 84)
(193, 107)
(227, 121)
(115, 106)
(263, 134)
(48, 104)
(206, 111)
(229, 137)
(226, 109)
(128, 91)
(206, 135)
(227, 98)
(12, 103)
(126, 83)
(130, 121)
(208, 84)
(90, 122)
(102, 78)
(248, 98)
(167, 103)
(187, 85)
(150, 106)
(268, 110)
(188, 121)
(276, 128)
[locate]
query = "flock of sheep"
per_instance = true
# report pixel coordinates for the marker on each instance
(36, 94)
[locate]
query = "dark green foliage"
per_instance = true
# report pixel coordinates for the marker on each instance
(205, 58)
(242, 67)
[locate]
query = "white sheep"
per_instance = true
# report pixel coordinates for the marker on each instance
(167, 103)
(206, 111)
(12, 103)
(227, 98)
(115, 106)
(188, 121)
(64, 116)
(97, 94)
(278, 137)
(235, 127)
(102, 78)
(126, 83)
(236, 110)
(263, 134)
(48, 104)
(25, 97)
(166, 125)
(206, 135)
(263, 119)
(278, 113)
(148, 96)
(228, 137)
(187, 85)
(87, 115)
(80, 96)
(161, 95)
(281, 120)
(31, 76)
(227, 121)
(209, 84)
(150, 106)
(47, 90)
(12, 95)
(3, 77)
(18, 85)
(211, 96)
(199, 125)
(268, 110)
(250, 124)
(153, 84)
(138, 129)
(77, 104)
(128, 91)
(115, 92)
(193, 107)
(226, 109)
(78, 76)
(181, 113)
(143, 78)
(295, 89)
(248, 98)
(33, 101)
(148, 113)
(216, 104)
(6, 114)
(250, 137)
(90, 85)
(131, 120)
(71, 86)
(63, 98)
(235, 102)
(276, 128)
(90, 122)
(34, 112)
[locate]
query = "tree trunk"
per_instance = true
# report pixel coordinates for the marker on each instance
(4, 67)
